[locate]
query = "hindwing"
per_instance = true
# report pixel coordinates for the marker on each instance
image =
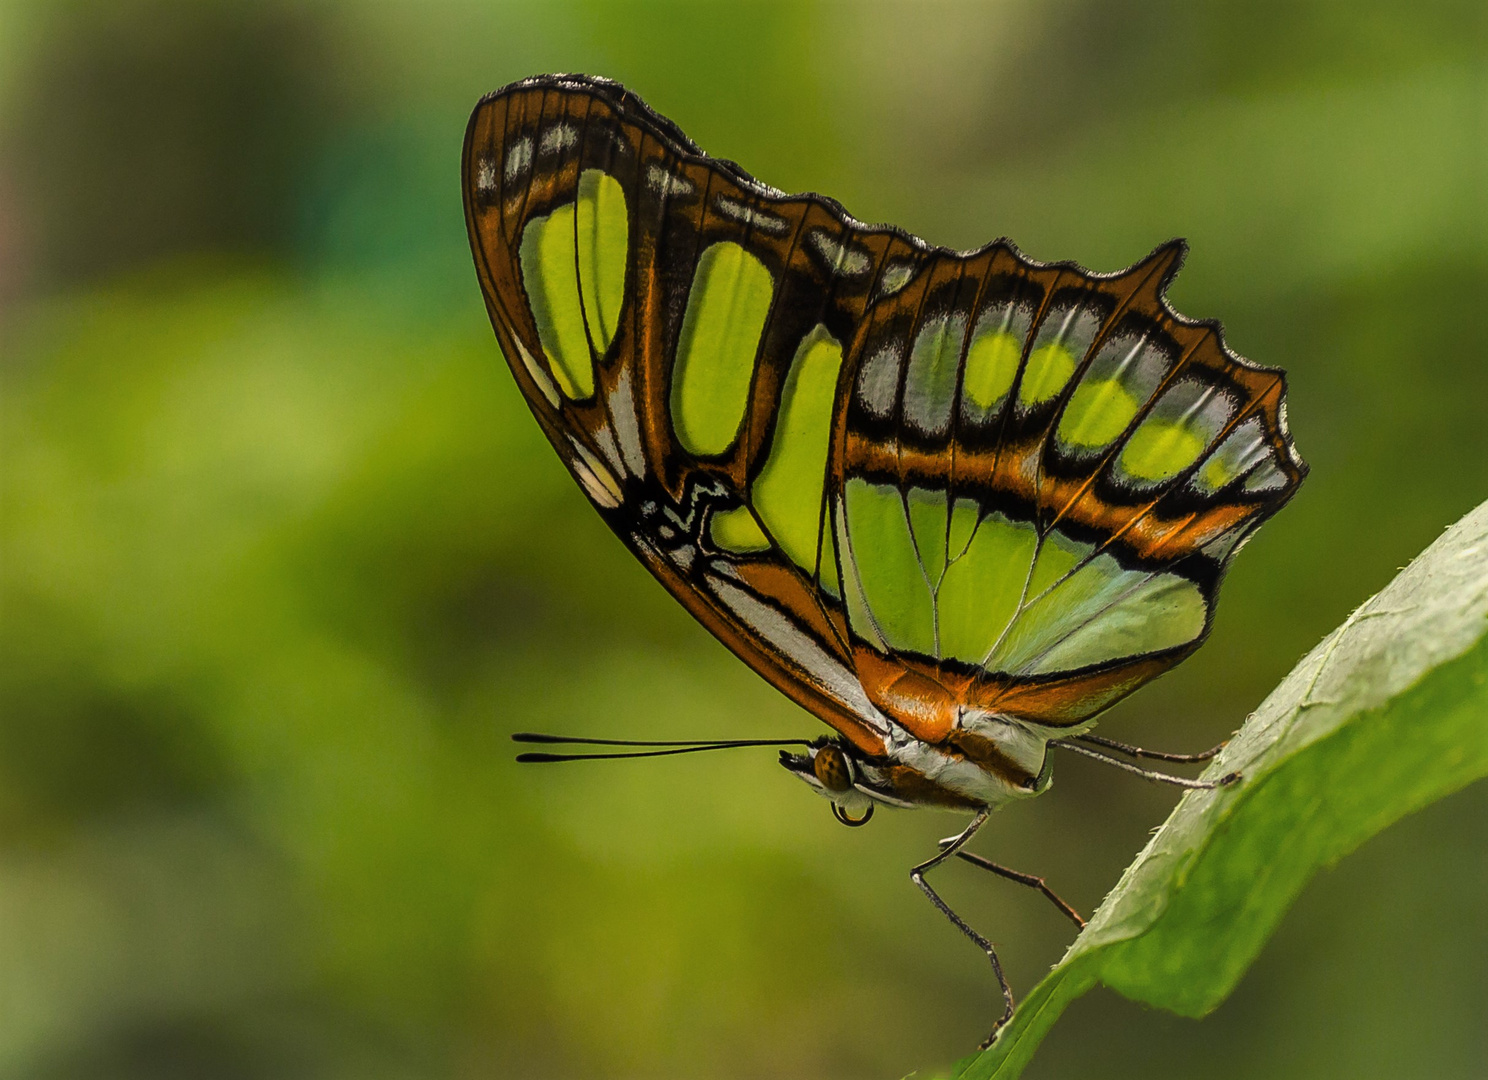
(898, 481)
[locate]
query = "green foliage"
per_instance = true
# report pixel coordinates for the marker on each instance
(1387, 714)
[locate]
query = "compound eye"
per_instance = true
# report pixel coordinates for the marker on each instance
(832, 768)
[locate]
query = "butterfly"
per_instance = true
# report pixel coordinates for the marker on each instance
(954, 504)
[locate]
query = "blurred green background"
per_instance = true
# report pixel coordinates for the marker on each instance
(285, 559)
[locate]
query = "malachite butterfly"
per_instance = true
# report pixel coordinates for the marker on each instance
(955, 504)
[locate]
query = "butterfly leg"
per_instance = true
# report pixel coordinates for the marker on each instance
(1146, 774)
(917, 875)
(1031, 880)
(1154, 755)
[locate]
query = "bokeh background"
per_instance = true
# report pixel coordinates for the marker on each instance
(285, 560)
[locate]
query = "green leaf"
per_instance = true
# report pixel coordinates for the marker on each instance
(1387, 714)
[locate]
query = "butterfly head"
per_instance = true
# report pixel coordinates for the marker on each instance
(836, 770)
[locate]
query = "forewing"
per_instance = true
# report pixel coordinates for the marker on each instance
(679, 332)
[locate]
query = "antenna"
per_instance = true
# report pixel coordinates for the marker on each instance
(671, 747)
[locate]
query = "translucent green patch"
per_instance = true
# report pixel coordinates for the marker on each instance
(1234, 456)
(930, 382)
(548, 274)
(1161, 613)
(603, 239)
(573, 267)
(1216, 474)
(827, 575)
(1098, 412)
(927, 521)
(788, 492)
(737, 530)
(726, 312)
(888, 566)
(1051, 614)
(1057, 556)
(980, 591)
(858, 616)
(991, 366)
(1159, 449)
(1096, 614)
(1057, 594)
(964, 518)
(1049, 368)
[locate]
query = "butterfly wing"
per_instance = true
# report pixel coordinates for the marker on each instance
(681, 347)
(1042, 475)
(892, 478)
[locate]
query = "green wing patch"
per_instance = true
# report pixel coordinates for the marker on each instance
(573, 266)
(726, 312)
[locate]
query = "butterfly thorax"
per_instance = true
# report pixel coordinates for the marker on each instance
(987, 760)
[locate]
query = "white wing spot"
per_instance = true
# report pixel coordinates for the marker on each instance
(895, 276)
(595, 478)
(666, 183)
(846, 259)
(485, 175)
(627, 428)
(759, 219)
(518, 158)
(558, 137)
(539, 376)
(609, 448)
(1265, 476)
(878, 381)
